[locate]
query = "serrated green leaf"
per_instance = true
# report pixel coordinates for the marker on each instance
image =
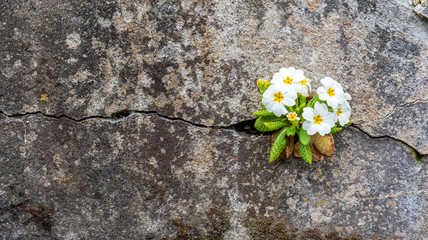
(259, 124)
(263, 113)
(304, 137)
(276, 125)
(263, 85)
(278, 145)
(291, 131)
(313, 101)
(336, 129)
(305, 153)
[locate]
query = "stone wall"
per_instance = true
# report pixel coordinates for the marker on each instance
(131, 119)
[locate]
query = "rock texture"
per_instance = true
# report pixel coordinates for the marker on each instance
(198, 60)
(410, 117)
(149, 177)
(184, 164)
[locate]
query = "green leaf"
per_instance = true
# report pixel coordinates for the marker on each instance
(349, 123)
(278, 145)
(291, 131)
(272, 126)
(304, 137)
(313, 101)
(305, 153)
(289, 109)
(263, 85)
(263, 113)
(336, 129)
(302, 100)
(259, 124)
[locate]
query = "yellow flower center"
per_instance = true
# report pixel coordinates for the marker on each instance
(304, 82)
(278, 97)
(330, 92)
(318, 120)
(339, 111)
(292, 116)
(288, 80)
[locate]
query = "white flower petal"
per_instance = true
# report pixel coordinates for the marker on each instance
(306, 125)
(329, 118)
(332, 102)
(268, 96)
(269, 106)
(323, 129)
(335, 117)
(277, 77)
(327, 115)
(335, 85)
(288, 101)
(269, 91)
(291, 93)
(323, 96)
(265, 101)
(308, 114)
(347, 96)
(321, 108)
(298, 75)
(329, 122)
(345, 103)
(312, 129)
(321, 90)
(279, 109)
(343, 119)
(327, 82)
(305, 92)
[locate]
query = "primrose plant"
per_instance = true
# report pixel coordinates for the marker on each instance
(289, 109)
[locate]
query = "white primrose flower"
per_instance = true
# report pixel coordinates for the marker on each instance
(331, 91)
(303, 86)
(318, 119)
(300, 83)
(342, 113)
(275, 98)
(292, 116)
(287, 78)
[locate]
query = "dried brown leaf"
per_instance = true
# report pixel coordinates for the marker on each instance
(324, 144)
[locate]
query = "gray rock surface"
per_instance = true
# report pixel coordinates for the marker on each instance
(199, 60)
(409, 117)
(149, 177)
(183, 164)
(422, 10)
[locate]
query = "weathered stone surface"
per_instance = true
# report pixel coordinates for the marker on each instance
(410, 118)
(146, 177)
(152, 177)
(422, 10)
(198, 60)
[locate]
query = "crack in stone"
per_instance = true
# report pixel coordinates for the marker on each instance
(418, 155)
(246, 126)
